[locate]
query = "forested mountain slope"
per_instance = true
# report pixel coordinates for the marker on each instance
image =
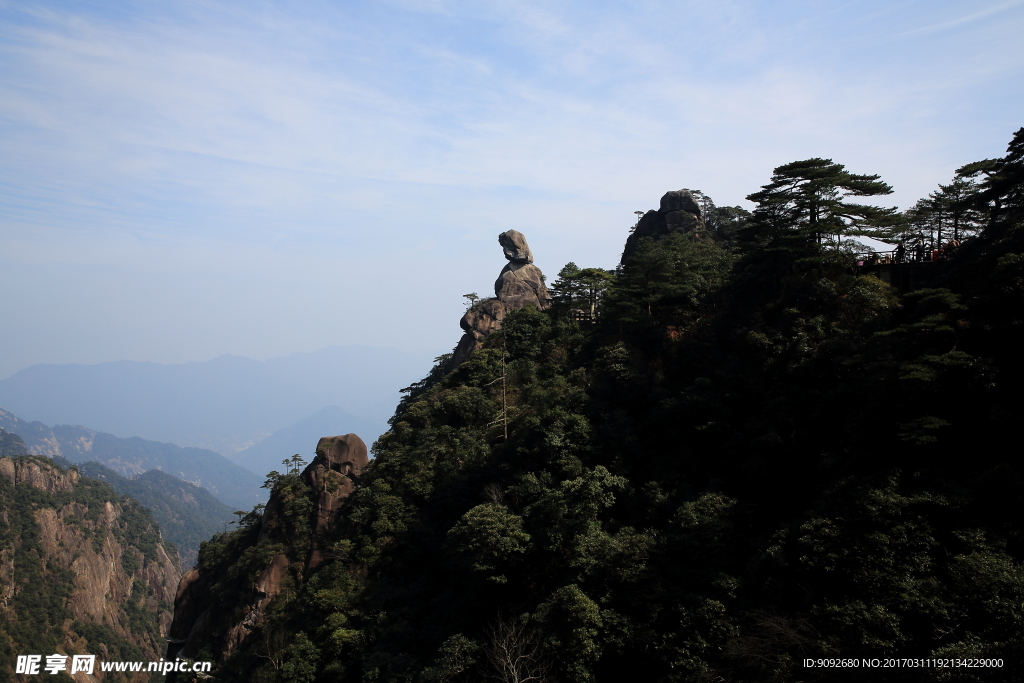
(187, 514)
(82, 570)
(11, 444)
(739, 451)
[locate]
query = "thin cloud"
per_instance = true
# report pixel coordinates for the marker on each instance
(339, 133)
(995, 9)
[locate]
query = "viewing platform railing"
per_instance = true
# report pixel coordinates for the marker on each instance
(912, 255)
(906, 269)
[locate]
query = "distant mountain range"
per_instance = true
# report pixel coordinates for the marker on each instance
(227, 404)
(175, 483)
(187, 514)
(234, 485)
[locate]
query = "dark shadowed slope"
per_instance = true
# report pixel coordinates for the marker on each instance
(752, 452)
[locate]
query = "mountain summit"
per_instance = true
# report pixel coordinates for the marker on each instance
(755, 461)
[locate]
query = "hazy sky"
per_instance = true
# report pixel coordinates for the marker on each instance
(180, 180)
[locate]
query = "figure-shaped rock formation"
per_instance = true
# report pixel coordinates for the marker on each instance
(679, 212)
(519, 284)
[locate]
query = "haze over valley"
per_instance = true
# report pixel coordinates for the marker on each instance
(227, 404)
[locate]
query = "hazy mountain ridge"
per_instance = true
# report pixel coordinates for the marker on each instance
(235, 485)
(11, 444)
(187, 514)
(226, 404)
(302, 436)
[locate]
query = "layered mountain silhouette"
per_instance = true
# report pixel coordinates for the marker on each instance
(187, 514)
(226, 404)
(130, 457)
(300, 438)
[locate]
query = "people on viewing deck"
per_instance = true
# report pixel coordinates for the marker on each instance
(916, 253)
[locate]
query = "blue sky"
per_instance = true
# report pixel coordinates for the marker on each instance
(180, 180)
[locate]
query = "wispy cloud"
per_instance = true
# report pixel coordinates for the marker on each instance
(423, 127)
(965, 19)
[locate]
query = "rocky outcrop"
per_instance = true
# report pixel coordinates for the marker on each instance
(190, 608)
(513, 243)
(519, 284)
(479, 322)
(76, 537)
(39, 473)
(679, 212)
(338, 459)
(291, 547)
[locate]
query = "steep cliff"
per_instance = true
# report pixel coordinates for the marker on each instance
(228, 596)
(82, 569)
(187, 514)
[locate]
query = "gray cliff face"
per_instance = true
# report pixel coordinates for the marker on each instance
(108, 562)
(519, 284)
(338, 459)
(679, 212)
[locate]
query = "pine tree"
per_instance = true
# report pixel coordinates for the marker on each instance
(1001, 181)
(956, 201)
(807, 200)
(565, 290)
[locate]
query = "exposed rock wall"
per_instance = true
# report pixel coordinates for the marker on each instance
(77, 527)
(35, 472)
(338, 459)
(39, 439)
(519, 284)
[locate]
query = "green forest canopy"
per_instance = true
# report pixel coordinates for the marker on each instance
(755, 454)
